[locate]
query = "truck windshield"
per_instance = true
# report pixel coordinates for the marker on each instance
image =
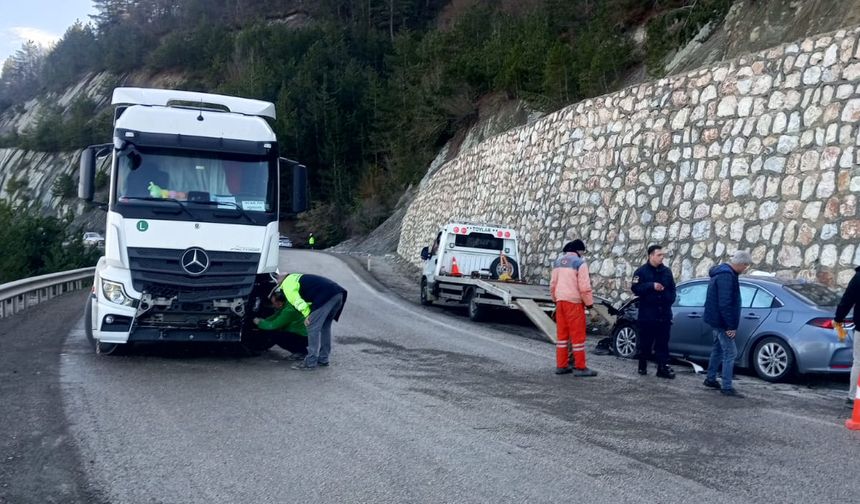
(237, 181)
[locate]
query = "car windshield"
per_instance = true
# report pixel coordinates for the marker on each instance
(234, 180)
(815, 293)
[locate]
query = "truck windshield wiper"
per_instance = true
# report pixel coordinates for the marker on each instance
(233, 204)
(171, 200)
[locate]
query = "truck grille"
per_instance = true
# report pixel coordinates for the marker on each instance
(159, 272)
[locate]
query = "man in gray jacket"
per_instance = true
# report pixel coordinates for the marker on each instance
(723, 314)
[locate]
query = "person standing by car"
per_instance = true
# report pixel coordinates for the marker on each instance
(571, 291)
(321, 302)
(723, 314)
(654, 285)
(850, 301)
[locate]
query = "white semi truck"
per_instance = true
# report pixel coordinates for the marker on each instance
(191, 238)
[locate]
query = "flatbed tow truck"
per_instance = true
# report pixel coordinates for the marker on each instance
(477, 266)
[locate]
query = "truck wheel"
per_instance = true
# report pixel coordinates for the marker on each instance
(88, 321)
(110, 348)
(99, 347)
(255, 344)
(496, 269)
(425, 295)
(477, 311)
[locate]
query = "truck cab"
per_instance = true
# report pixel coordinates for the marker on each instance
(191, 239)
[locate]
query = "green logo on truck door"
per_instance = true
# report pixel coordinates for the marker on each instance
(142, 225)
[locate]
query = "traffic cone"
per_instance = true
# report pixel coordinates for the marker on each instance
(455, 271)
(853, 423)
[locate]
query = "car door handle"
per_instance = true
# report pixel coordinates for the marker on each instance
(752, 316)
(694, 315)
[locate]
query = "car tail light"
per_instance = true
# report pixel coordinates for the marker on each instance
(826, 323)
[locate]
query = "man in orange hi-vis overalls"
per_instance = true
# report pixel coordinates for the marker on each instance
(571, 290)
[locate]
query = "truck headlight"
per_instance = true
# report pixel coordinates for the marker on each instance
(115, 293)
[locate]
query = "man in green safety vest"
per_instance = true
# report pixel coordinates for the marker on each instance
(312, 240)
(320, 301)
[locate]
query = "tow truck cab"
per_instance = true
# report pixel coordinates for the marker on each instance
(477, 250)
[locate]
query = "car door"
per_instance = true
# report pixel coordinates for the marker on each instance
(687, 324)
(756, 306)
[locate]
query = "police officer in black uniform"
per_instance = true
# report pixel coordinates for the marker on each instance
(654, 285)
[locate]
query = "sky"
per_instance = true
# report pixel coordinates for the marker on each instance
(42, 21)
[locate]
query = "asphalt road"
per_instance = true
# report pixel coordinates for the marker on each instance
(421, 407)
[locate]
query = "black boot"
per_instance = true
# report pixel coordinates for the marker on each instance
(665, 371)
(643, 366)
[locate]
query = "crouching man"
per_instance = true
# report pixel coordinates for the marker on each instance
(286, 327)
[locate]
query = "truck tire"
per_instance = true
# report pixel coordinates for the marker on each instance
(256, 343)
(99, 347)
(496, 269)
(477, 311)
(425, 294)
(88, 321)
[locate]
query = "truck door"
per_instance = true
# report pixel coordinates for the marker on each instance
(430, 265)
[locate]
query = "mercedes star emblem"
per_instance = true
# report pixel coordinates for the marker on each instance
(195, 261)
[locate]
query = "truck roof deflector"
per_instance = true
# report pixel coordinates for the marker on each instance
(163, 97)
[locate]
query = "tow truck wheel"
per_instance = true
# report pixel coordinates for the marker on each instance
(425, 295)
(477, 311)
(497, 269)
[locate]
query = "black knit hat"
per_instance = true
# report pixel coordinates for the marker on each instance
(575, 246)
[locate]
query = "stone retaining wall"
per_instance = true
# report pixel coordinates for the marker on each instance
(756, 153)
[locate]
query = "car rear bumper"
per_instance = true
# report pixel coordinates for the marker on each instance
(819, 351)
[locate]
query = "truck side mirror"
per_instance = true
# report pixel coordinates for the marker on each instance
(425, 253)
(300, 189)
(86, 185)
(294, 185)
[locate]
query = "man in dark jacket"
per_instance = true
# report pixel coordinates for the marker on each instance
(723, 314)
(654, 284)
(850, 300)
(320, 301)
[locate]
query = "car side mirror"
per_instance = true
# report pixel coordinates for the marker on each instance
(425, 253)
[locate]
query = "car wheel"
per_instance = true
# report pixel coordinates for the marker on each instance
(773, 359)
(625, 341)
(425, 296)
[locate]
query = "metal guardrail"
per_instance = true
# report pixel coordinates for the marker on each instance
(22, 294)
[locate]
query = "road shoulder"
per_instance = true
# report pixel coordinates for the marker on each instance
(39, 460)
